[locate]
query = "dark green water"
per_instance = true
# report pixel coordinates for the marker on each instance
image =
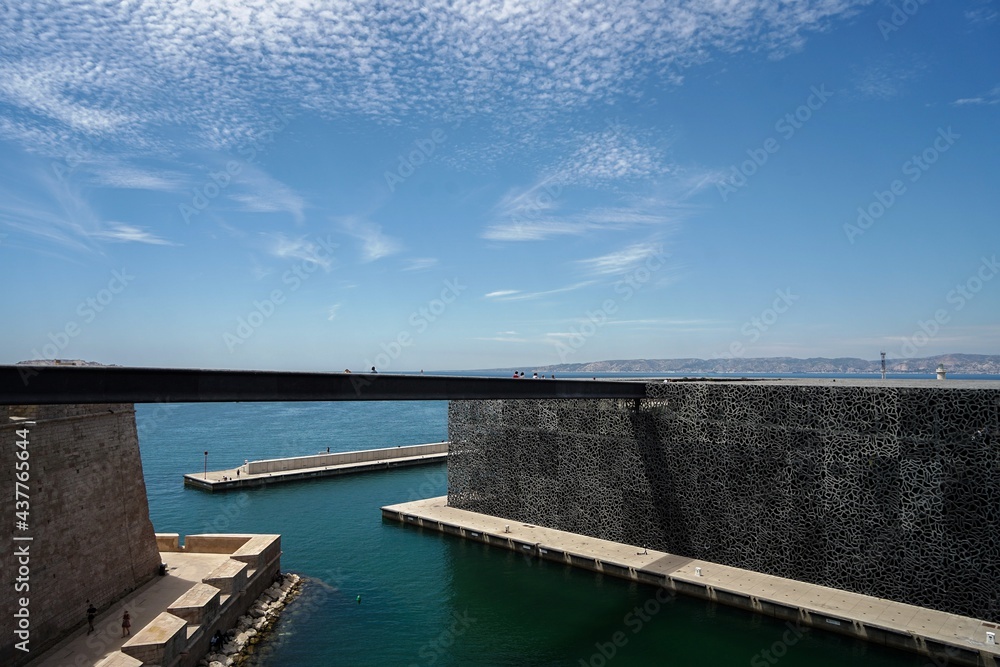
(426, 598)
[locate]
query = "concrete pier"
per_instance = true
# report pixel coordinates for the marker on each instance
(940, 635)
(275, 471)
(174, 616)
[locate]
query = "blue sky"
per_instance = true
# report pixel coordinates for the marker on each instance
(458, 185)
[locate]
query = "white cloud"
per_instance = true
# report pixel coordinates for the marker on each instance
(517, 295)
(332, 311)
(302, 249)
(258, 192)
(47, 86)
(524, 225)
(982, 15)
(503, 337)
(989, 98)
(621, 261)
(374, 244)
(56, 212)
(886, 78)
(419, 263)
(93, 69)
(135, 178)
(534, 231)
(617, 153)
(128, 234)
(615, 157)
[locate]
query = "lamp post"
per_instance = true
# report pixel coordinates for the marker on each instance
(206, 466)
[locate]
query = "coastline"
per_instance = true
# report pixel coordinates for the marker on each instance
(253, 628)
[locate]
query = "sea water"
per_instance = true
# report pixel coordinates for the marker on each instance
(428, 598)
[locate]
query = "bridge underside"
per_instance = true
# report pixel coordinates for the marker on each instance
(54, 384)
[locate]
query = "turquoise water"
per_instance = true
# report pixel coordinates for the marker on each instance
(426, 598)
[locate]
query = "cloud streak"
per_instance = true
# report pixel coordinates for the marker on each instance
(518, 295)
(374, 244)
(123, 233)
(302, 249)
(990, 98)
(621, 261)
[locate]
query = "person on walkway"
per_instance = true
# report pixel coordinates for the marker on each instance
(126, 624)
(91, 613)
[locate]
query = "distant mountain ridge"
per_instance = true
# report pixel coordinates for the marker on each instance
(979, 364)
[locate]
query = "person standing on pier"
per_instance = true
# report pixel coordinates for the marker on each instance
(126, 624)
(91, 613)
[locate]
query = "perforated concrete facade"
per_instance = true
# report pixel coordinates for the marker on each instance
(891, 490)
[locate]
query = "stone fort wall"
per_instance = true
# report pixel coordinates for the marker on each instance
(891, 491)
(88, 519)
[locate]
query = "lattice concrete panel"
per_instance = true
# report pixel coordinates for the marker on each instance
(888, 491)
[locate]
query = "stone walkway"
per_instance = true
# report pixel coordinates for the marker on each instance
(143, 605)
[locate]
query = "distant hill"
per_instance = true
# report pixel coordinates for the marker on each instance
(980, 364)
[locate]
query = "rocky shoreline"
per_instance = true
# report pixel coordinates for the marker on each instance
(239, 643)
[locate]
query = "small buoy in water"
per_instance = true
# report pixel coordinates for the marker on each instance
(359, 599)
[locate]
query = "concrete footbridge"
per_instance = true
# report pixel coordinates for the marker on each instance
(49, 384)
